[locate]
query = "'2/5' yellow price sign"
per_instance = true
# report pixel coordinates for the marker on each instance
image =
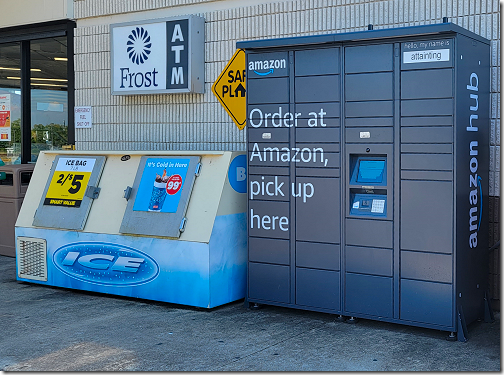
(69, 182)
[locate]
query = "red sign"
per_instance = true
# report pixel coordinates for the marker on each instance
(4, 116)
(174, 184)
(5, 120)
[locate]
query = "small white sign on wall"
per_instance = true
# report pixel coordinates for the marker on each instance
(434, 55)
(83, 117)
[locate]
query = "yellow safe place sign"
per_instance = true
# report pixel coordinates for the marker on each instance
(69, 182)
(230, 89)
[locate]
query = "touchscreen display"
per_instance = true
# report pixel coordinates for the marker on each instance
(371, 171)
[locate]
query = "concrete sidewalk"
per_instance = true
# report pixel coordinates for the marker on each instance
(52, 329)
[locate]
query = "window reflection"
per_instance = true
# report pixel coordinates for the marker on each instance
(10, 103)
(49, 95)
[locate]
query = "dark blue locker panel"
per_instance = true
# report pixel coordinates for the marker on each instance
(426, 302)
(268, 171)
(427, 121)
(318, 122)
(425, 148)
(267, 250)
(269, 154)
(266, 91)
(426, 84)
(358, 59)
(369, 135)
(268, 188)
(317, 89)
(327, 147)
(369, 86)
(313, 158)
(305, 155)
(373, 233)
(267, 115)
(427, 134)
(318, 255)
(427, 107)
(369, 260)
(318, 288)
(269, 219)
(309, 110)
(267, 135)
(317, 209)
(327, 62)
(427, 216)
(369, 121)
(426, 266)
(472, 177)
(427, 175)
(427, 162)
(318, 135)
(320, 164)
(371, 295)
(318, 172)
(267, 65)
(269, 282)
(369, 109)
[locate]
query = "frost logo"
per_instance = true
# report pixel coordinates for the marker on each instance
(138, 45)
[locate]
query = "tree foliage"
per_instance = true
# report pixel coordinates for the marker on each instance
(44, 136)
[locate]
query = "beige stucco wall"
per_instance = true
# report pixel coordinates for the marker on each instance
(22, 12)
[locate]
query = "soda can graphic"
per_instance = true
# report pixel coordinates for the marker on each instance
(158, 196)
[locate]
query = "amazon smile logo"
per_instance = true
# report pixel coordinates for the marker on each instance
(266, 67)
(480, 189)
(264, 74)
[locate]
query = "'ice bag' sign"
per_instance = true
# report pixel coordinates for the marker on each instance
(69, 182)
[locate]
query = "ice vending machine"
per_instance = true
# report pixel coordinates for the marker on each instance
(368, 174)
(164, 226)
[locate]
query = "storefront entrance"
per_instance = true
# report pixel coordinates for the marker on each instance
(36, 90)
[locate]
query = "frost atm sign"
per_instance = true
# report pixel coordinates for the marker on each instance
(160, 56)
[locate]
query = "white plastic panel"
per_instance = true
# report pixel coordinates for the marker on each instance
(160, 196)
(65, 203)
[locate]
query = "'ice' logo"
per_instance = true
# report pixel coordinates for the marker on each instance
(139, 45)
(105, 264)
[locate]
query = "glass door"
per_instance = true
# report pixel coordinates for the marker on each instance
(49, 94)
(39, 119)
(10, 103)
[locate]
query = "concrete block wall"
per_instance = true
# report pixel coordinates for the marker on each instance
(198, 121)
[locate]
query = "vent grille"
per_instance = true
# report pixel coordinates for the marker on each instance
(32, 258)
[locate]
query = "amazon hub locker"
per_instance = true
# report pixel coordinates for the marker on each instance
(368, 174)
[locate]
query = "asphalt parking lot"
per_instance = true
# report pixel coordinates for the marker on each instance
(54, 329)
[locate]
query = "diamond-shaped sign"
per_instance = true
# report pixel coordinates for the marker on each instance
(230, 89)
